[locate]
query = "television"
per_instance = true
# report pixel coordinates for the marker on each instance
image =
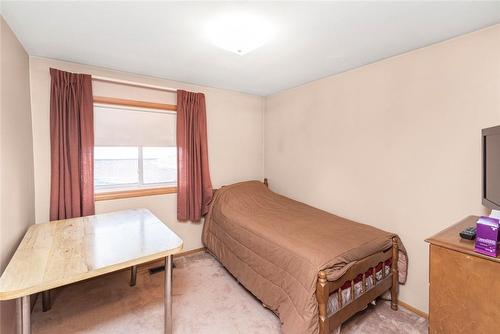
(491, 167)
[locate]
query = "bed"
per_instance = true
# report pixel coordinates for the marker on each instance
(312, 268)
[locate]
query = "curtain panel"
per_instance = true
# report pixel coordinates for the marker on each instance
(72, 145)
(194, 188)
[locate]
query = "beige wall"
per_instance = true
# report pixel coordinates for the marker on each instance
(234, 138)
(395, 144)
(17, 192)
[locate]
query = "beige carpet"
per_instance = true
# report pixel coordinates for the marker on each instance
(207, 299)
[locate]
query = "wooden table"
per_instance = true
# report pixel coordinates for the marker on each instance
(67, 251)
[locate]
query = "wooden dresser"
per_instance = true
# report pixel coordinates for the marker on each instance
(464, 292)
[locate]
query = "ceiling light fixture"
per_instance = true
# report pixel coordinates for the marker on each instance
(239, 33)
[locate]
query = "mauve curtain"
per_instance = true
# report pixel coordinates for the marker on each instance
(72, 145)
(194, 188)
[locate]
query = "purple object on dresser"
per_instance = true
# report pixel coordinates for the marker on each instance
(487, 236)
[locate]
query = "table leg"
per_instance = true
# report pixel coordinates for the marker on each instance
(25, 315)
(46, 302)
(168, 294)
(133, 275)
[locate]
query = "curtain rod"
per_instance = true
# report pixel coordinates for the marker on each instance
(131, 83)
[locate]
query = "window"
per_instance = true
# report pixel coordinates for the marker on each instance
(134, 149)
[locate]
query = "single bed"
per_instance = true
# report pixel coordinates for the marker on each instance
(312, 268)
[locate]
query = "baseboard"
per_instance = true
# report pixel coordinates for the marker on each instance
(140, 268)
(413, 309)
(203, 249)
(190, 252)
(161, 262)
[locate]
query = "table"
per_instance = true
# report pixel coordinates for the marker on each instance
(66, 251)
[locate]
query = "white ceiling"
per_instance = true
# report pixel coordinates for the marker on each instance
(167, 40)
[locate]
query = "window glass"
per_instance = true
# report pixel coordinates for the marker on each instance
(115, 166)
(134, 148)
(159, 164)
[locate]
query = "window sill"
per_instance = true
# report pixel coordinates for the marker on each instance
(121, 194)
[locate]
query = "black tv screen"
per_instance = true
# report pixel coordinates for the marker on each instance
(491, 167)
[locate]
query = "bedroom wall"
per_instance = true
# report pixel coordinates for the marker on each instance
(235, 138)
(17, 189)
(395, 144)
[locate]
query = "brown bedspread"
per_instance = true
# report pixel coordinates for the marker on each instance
(276, 246)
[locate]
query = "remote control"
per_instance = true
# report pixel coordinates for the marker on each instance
(469, 233)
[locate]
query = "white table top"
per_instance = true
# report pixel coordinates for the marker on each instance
(66, 251)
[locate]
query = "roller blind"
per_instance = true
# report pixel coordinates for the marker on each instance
(133, 127)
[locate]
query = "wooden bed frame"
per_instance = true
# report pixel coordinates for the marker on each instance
(325, 288)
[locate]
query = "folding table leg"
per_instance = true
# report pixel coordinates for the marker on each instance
(168, 294)
(133, 275)
(46, 302)
(25, 315)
